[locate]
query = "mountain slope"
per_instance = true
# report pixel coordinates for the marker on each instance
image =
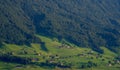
(15, 26)
(60, 56)
(86, 23)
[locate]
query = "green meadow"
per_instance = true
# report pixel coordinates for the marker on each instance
(61, 55)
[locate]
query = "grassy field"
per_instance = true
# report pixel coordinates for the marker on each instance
(59, 52)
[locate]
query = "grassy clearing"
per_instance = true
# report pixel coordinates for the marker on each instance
(108, 52)
(66, 55)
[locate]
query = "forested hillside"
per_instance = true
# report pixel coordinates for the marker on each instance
(15, 25)
(86, 23)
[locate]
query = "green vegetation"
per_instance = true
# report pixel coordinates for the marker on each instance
(59, 55)
(59, 34)
(85, 23)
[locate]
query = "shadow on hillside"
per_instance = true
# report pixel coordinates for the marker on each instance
(43, 47)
